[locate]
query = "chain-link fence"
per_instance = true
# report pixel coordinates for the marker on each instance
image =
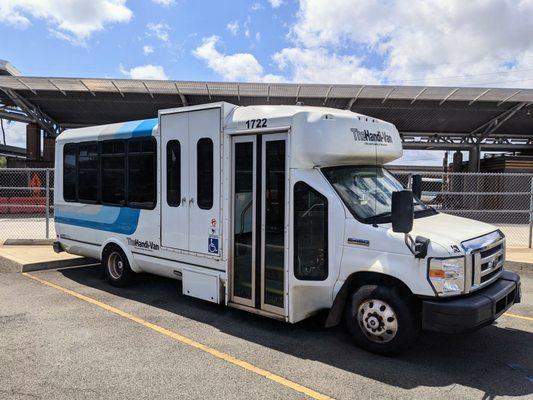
(26, 203)
(504, 200)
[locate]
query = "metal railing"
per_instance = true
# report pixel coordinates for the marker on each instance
(504, 200)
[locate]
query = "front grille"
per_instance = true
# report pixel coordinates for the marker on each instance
(488, 257)
(492, 251)
(491, 275)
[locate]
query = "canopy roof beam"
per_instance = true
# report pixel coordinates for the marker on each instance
(34, 113)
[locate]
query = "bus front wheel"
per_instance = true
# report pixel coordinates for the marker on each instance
(381, 320)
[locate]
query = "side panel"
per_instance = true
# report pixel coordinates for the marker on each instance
(175, 217)
(204, 220)
(309, 296)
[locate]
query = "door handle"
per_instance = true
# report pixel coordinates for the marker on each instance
(183, 200)
(191, 200)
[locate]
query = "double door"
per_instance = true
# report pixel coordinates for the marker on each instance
(259, 222)
(190, 180)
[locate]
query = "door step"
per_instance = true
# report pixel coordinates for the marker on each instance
(257, 311)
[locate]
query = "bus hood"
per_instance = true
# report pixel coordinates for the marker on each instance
(450, 230)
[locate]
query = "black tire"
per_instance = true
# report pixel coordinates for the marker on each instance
(117, 267)
(390, 320)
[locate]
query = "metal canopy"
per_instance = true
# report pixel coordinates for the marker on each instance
(428, 117)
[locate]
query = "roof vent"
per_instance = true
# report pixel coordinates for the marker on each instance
(328, 116)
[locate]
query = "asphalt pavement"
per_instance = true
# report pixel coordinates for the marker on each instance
(84, 339)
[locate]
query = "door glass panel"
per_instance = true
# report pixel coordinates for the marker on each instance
(243, 220)
(274, 222)
(204, 170)
(174, 173)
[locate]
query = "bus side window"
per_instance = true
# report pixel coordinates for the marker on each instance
(310, 233)
(113, 172)
(204, 178)
(142, 173)
(88, 172)
(69, 172)
(173, 173)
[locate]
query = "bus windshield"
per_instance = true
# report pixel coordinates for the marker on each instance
(367, 192)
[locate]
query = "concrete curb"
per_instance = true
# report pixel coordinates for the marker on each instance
(28, 242)
(12, 264)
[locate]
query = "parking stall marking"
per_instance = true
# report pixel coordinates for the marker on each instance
(190, 342)
(518, 316)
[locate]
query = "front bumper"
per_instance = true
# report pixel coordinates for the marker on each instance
(474, 311)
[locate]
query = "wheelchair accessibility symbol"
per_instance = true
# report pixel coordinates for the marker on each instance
(212, 245)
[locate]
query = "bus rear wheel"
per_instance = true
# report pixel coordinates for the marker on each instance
(116, 267)
(381, 320)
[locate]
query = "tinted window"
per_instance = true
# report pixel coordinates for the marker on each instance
(310, 233)
(69, 172)
(173, 173)
(113, 164)
(274, 200)
(141, 172)
(204, 182)
(88, 172)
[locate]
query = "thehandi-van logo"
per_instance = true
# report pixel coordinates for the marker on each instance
(143, 244)
(368, 137)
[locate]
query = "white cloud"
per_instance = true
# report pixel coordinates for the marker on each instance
(320, 66)
(147, 71)
(73, 20)
(15, 133)
(234, 67)
(275, 3)
(256, 6)
(164, 3)
(233, 27)
(159, 30)
(148, 49)
(258, 36)
(419, 42)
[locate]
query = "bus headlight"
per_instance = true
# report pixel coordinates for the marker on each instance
(447, 275)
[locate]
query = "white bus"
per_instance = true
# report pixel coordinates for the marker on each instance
(283, 211)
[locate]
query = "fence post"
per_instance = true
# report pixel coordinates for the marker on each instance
(531, 213)
(48, 203)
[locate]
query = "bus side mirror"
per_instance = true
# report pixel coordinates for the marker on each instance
(416, 186)
(402, 211)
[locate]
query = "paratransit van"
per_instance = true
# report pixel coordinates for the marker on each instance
(282, 211)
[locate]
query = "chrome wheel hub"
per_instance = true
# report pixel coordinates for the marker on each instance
(377, 320)
(115, 265)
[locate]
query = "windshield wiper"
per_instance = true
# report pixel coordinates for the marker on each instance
(378, 217)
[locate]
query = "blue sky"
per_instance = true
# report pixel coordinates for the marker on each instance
(410, 42)
(172, 32)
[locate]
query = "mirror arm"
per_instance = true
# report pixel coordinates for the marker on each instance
(418, 246)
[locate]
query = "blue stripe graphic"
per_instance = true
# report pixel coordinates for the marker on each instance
(124, 220)
(135, 129)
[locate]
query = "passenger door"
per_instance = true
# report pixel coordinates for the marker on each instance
(190, 143)
(204, 181)
(174, 130)
(259, 222)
